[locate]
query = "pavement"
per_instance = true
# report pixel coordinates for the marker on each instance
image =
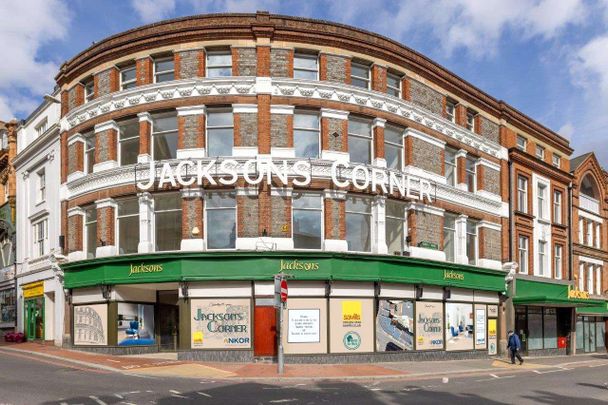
(167, 365)
(30, 378)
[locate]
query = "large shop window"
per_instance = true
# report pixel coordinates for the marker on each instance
(164, 135)
(221, 220)
(164, 70)
(168, 221)
(135, 324)
(128, 225)
(306, 134)
(90, 230)
(219, 63)
(307, 211)
(395, 227)
(542, 328)
(8, 300)
(89, 151)
(451, 176)
(472, 239)
(128, 139)
(358, 223)
(220, 132)
(395, 325)
(459, 326)
(359, 75)
(360, 140)
(305, 66)
(393, 147)
(590, 334)
(449, 236)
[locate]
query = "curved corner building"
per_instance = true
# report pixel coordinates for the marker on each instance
(202, 156)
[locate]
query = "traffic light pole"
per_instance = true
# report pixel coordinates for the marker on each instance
(281, 358)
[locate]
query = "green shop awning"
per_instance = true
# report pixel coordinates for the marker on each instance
(206, 266)
(548, 293)
(599, 310)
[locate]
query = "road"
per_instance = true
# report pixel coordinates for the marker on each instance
(29, 379)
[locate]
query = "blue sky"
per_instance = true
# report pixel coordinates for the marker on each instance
(547, 58)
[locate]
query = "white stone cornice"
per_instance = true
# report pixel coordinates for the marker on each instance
(281, 191)
(104, 126)
(490, 225)
(591, 260)
(592, 217)
(192, 192)
(424, 137)
(487, 163)
(244, 108)
(77, 137)
(75, 211)
(247, 191)
(330, 194)
(461, 153)
(427, 209)
(282, 109)
(145, 116)
(379, 122)
(335, 114)
(105, 203)
(191, 110)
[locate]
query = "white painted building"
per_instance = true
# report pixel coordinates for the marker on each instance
(39, 279)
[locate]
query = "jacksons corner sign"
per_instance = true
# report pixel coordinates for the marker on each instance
(190, 172)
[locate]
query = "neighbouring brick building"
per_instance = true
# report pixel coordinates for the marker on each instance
(201, 156)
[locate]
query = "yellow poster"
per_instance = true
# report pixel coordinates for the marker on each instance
(351, 313)
(492, 337)
(33, 289)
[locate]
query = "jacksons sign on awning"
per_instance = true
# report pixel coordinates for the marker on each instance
(195, 172)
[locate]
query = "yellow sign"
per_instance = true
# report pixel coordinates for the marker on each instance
(453, 275)
(298, 265)
(351, 313)
(577, 294)
(33, 289)
(145, 268)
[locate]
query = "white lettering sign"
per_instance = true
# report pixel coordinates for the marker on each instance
(303, 326)
(227, 172)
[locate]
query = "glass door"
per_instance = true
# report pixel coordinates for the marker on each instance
(34, 318)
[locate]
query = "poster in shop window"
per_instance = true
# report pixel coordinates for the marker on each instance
(429, 325)
(480, 327)
(459, 326)
(303, 325)
(221, 324)
(395, 325)
(351, 325)
(91, 325)
(135, 325)
(492, 337)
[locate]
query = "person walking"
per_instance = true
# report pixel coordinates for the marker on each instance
(514, 346)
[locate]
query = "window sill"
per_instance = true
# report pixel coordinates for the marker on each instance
(523, 214)
(543, 221)
(560, 225)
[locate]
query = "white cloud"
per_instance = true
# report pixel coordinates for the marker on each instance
(590, 67)
(25, 25)
(153, 10)
(567, 130)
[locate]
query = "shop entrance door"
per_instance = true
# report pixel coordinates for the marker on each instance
(521, 327)
(589, 334)
(168, 320)
(34, 318)
(265, 331)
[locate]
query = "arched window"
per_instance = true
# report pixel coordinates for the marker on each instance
(589, 187)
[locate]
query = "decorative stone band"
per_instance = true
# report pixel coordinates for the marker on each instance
(317, 169)
(243, 86)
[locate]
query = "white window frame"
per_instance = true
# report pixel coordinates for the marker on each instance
(157, 211)
(40, 241)
(521, 146)
(475, 260)
(156, 72)
(590, 230)
(471, 120)
(153, 133)
(118, 217)
(121, 141)
(581, 276)
(124, 83)
(598, 280)
(540, 152)
(41, 186)
(542, 258)
(372, 225)
(581, 231)
(395, 145)
(394, 89)
(370, 138)
(454, 232)
(590, 278)
(42, 126)
(469, 172)
(523, 249)
(317, 130)
(598, 236)
(557, 207)
(522, 193)
(310, 194)
(86, 153)
(556, 160)
(454, 165)
(236, 217)
(89, 89)
(85, 233)
(210, 111)
(366, 79)
(450, 110)
(558, 255)
(541, 200)
(217, 52)
(303, 55)
(403, 218)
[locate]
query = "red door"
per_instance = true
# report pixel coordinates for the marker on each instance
(265, 332)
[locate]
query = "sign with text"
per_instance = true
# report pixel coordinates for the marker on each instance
(303, 326)
(492, 337)
(221, 324)
(429, 325)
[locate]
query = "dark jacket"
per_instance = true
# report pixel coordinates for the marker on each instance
(514, 342)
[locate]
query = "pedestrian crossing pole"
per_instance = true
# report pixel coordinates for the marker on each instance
(280, 301)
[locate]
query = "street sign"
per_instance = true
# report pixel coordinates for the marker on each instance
(283, 290)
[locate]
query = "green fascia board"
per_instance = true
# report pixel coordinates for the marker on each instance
(258, 266)
(531, 292)
(601, 309)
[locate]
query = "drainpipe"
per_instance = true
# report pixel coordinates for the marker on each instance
(511, 208)
(571, 349)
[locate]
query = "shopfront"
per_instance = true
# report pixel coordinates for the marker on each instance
(8, 307)
(205, 305)
(33, 307)
(591, 329)
(543, 315)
